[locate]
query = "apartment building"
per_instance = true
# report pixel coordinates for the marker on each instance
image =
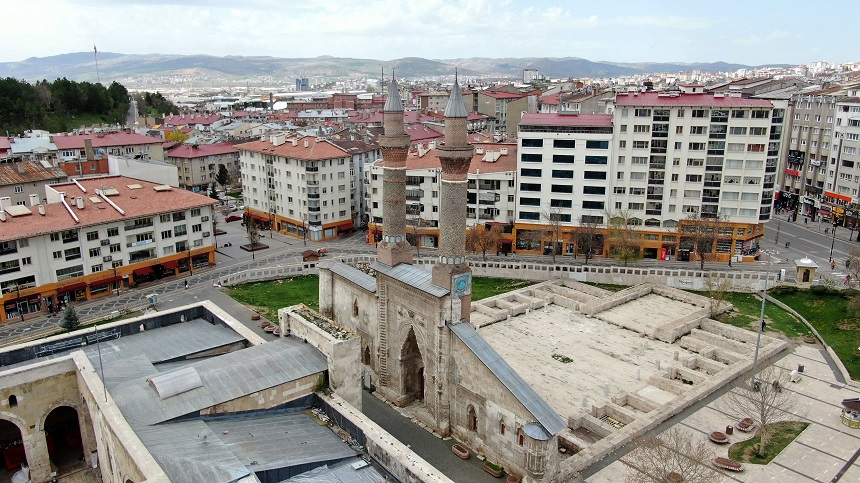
(505, 108)
(21, 181)
(73, 148)
(198, 165)
(306, 187)
(491, 196)
(843, 170)
(564, 176)
(96, 236)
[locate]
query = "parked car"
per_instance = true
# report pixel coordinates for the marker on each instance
(232, 218)
(232, 207)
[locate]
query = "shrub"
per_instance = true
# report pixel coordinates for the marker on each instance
(70, 320)
(783, 290)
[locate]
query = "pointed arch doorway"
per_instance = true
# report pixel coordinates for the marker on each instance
(412, 368)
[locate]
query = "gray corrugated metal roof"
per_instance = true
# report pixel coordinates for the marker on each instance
(456, 107)
(341, 472)
(411, 275)
(224, 378)
(280, 440)
(354, 275)
(175, 382)
(546, 416)
(191, 452)
(392, 102)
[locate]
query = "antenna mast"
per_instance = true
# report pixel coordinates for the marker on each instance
(96, 56)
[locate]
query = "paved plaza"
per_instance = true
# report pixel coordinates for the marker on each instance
(818, 454)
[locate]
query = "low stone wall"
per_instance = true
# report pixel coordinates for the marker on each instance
(342, 355)
(614, 300)
(671, 331)
(387, 450)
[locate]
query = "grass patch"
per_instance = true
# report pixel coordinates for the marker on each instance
(608, 286)
(829, 314)
(781, 435)
(267, 297)
(748, 310)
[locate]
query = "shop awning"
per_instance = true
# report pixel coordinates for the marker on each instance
(260, 218)
(140, 272)
(171, 264)
(345, 226)
(74, 286)
(106, 280)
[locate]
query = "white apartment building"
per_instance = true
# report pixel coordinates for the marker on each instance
(564, 174)
(305, 187)
(843, 175)
(491, 197)
(95, 236)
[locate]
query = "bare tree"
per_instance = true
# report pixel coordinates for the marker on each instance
(481, 239)
(700, 234)
(625, 241)
(675, 455)
(587, 237)
(763, 400)
(253, 234)
(718, 289)
(553, 218)
(414, 237)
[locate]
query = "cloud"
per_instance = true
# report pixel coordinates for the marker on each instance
(662, 21)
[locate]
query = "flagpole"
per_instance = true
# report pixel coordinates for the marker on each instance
(96, 56)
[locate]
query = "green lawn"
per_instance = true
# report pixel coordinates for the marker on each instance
(782, 434)
(828, 313)
(748, 310)
(267, 297)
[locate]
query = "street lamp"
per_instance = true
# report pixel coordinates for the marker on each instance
(770, 254)
(833, 241)
(190, 261)
(116, 282)
(305, 228)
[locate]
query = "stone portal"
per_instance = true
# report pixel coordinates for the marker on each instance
(412, 369)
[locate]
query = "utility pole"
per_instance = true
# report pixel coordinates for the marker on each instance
(770, 255)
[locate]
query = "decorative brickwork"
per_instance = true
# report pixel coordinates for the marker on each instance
(394, 249)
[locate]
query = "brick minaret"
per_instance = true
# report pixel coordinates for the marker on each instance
(455, 154)
(394, 249)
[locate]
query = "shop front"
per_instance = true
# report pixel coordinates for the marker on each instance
(75, 292)
(105, 286)
(19, 307)
(143, 275)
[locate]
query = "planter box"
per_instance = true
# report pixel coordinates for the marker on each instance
(460, 450)
(493, 471)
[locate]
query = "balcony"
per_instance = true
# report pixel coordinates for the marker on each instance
(710, 199)
(655, 181)
(657, 165)
(139, 243)
(485, 216)
(716, 152)
(313, 196)
(313, 183)
(654, 197)
(313, 209)
(70, 239)
(16, 268)
(659, 134)
(312, 169)
(719, 119)
(136, 226)
(654, 212)
(5, 250)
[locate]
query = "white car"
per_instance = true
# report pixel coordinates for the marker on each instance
(241, 208)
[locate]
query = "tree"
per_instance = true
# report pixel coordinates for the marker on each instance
(70, 319)
(718, 289)
(175, 136)
(763, 400)
(253, 233)
(700, 233)
(213, 193)
(479, 238)
(414, 238)
(624, 240)
(223, 177)
(675, 451)
(587, 237)
(553, 218)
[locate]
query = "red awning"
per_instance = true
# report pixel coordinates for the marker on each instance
(140, 272)
(345, 226)
(74, 286)
(260, 218)
(106, 280)
(171, 264)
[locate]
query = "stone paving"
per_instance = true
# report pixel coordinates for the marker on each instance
(818, 454)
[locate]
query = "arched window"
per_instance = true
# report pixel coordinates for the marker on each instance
(355, 308)
(502, 428)
(521, 437)
(13, 401)
(472, 419)
(367, 356)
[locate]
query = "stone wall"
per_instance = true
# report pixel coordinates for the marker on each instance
(342, 355)
(272, 397)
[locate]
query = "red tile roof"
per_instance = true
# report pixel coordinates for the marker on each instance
(104, 140)
(201, 150)
(5, 144)
(546, 119)
(28, 172)
(418, 133)
(135, 202)
(691, 100)
(184, 119)
(315, 150)
(502, 95)
(551, 99)
(507, 162)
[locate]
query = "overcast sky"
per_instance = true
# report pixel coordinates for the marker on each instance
(751, 32)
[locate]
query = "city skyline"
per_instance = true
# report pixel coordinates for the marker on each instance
(433, 29)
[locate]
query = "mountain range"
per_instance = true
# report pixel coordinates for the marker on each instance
(81, 66)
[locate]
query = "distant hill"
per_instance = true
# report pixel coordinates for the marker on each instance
(81, 66)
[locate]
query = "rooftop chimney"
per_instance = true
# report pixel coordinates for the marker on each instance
(88, 149)
(34, 199)
(42, 210)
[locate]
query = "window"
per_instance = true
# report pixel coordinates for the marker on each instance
(697, 146)
(695, 162)
(166, 234)
(561, 203)
(112, 232)
(592, 205)
(96, 268)
(196, 228)
(738, 131)
(564, 143)
(761, 115)
(637, 176)
(758, 131)
(621, 159)
(95, 252)
(699, 113)
(675, 177)
(115, 248)
(636, 206)
(529, 201)
(594, 190)
(594, 175)
(642, 128)
(694, 178)
(532, 143)
(735, 147)
(597, 144)
(755, 148)
(639, 160)
(165, 218)
(739, 114)
(562, 158)
(529, 215)
(562, 188)
(92, 235)
(70, 272)
(58, 255)
(642, 112)
(640, 144)
(26, 261)
(530, 186)
(692, 193)
(180, 230)
(596, 159)
(531, 158)
(623, 128)
(530, 172)
(561, 173)
(698, 130)
(72, 253)
(619, 175)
